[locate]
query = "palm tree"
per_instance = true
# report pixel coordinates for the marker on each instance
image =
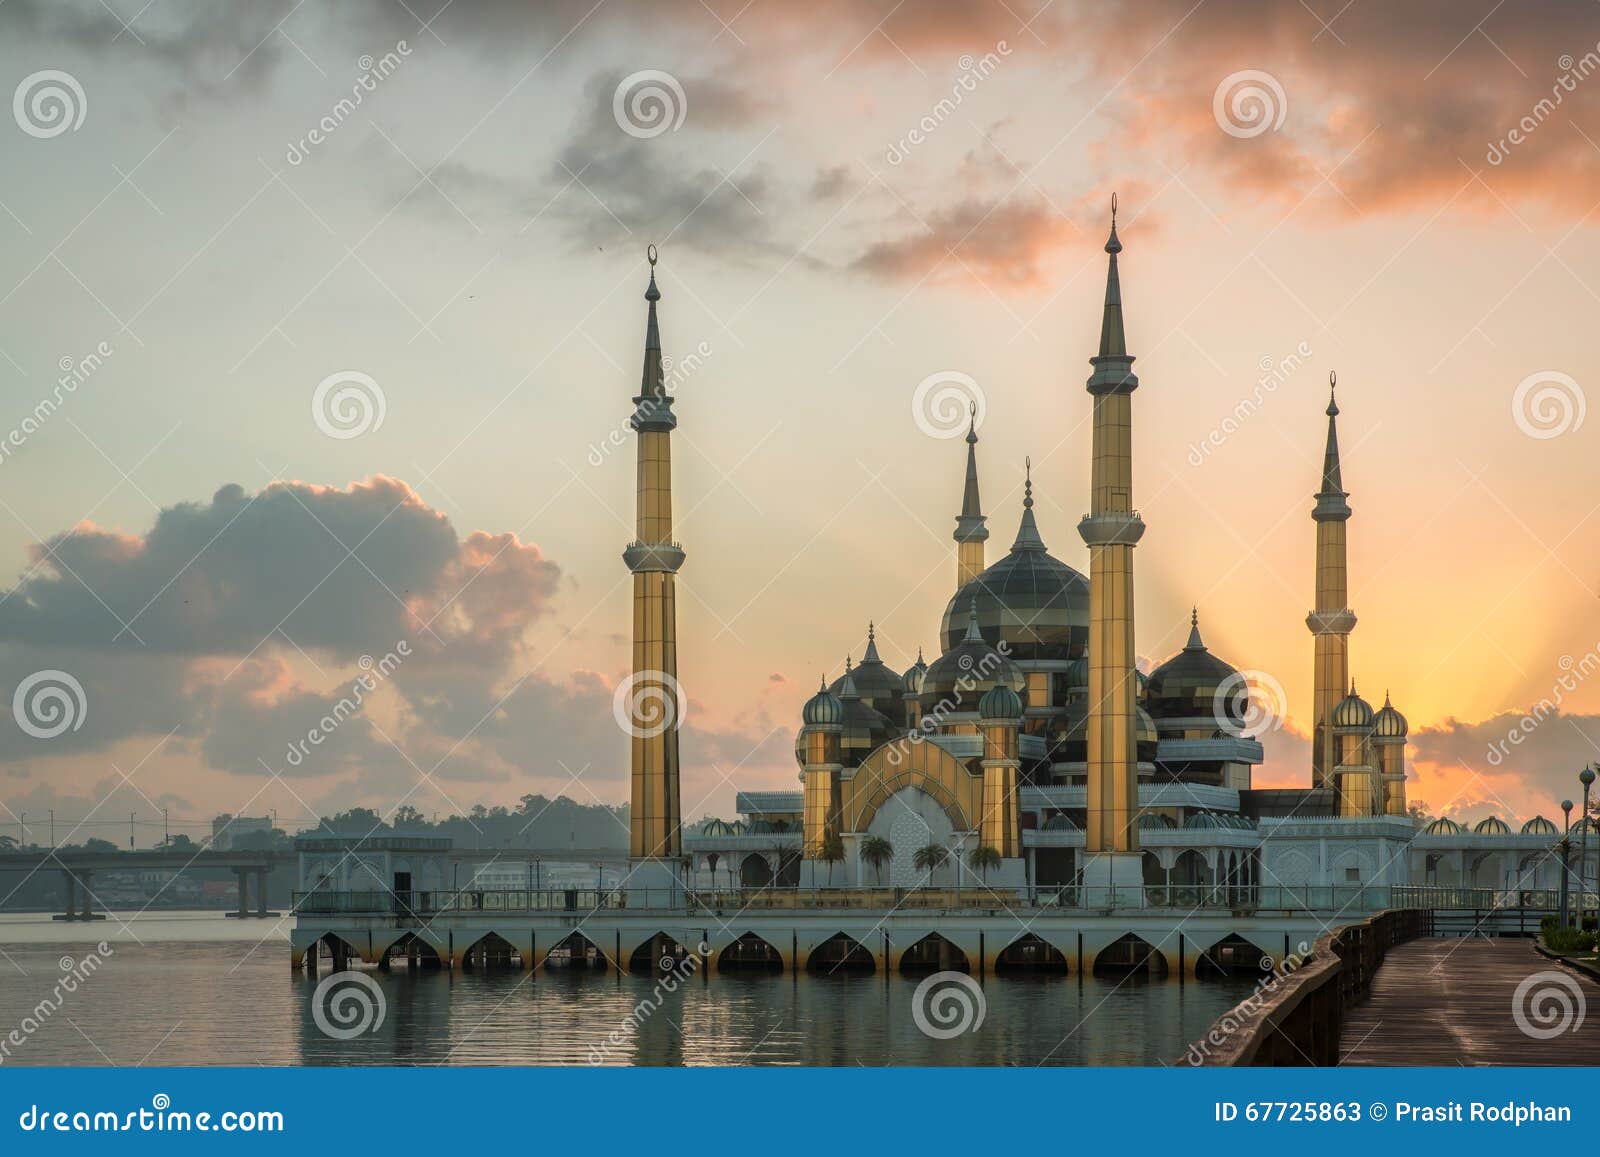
(981, 859)
(877, 851)
(831, 852)
(931, 858)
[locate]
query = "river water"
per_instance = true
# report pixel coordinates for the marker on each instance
(199, 989)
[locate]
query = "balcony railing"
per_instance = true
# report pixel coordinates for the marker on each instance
(1182, 898)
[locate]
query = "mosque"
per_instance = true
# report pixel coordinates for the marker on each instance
(1031, 752)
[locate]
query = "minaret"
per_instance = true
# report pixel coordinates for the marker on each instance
(970, 532)
(1332, 620)
(654, 559)
(1110, 530)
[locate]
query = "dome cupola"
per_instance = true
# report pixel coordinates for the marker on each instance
(823, 709)
(1195, 684)
(1000, 702)
(1352, 711)
(1389, 723)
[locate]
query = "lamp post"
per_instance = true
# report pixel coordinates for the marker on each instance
(1585, 777)
(1566, 868)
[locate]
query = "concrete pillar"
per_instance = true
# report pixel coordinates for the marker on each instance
(243, 878)
(71, 883)
(88, 896)
(261, 892)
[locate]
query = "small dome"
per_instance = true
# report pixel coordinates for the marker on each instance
(1188, 684)
(1389, 723)
(1077, 676)
(717, 828)
(1493, 826)
(1586, 824)
(822, 708)
(1204, 819)
(914, 675)
(769, 827)
(1144, 729)
(1156, 821)
(1539, 826)
(1000, 702)
(874, 681)
(1443, 826)
(1352, 711)
(960, 676)
(1059, 823)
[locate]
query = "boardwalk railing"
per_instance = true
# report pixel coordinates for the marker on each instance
(1340, 899)
(1296, 1016)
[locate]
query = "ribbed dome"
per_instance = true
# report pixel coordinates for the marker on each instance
(1539, 826)
(823, 708)
(1156, 821)
(1077, 675)
(717, 828)
(1493, 826)
(1389, 723)
(1443, 826)
(1144, 730)
(1033, 602)
(1187, 685)
(1000, 702)
(875, 682)
(959, 677)
(1059, 823)
(1352, 711)
(914, 675)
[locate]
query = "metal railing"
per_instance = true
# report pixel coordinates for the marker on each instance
(1339, 898)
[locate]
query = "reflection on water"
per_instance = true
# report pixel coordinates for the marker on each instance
(198, 1002)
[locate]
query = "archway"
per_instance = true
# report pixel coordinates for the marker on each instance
(1030, 953)
(755, 872)
(1233, 955)
(412, 951)
(341, 953)
(657, 955)
(492, 952)
(1130, 956)
(933, 953)
(750, 953)
(576, 952)
(840, 954)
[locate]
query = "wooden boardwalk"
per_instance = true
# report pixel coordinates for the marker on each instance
(1450, 1002)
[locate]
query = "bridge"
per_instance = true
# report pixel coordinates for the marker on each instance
(78, 867)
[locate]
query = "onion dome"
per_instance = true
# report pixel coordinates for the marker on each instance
(822, 708)
(865, 728)
(1187, 685)
(1389, 723)
(959, 677)
(1352, 711)
(1443, 826)
(717, 828)
(1539, 826)
(1077, 675)
(1034, 603)
(1156, 821)
(875, 682)
(1060, 822)
(1000, 702)
(914, 674)
(1493, 826)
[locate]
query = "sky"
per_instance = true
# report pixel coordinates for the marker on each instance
(319, 325)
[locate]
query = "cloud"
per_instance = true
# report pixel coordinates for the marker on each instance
(988, 240)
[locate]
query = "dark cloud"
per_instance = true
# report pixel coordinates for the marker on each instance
(995, 240)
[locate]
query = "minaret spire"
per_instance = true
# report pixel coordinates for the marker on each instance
(1028, 530)
(1110, 530)
(654, 699)
(1195, 643)
(971, 533)
(1331, 620)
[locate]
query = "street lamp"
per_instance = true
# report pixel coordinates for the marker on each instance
(1585, 777)
(1566, 867)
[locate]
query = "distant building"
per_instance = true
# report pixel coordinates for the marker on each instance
(226, 828)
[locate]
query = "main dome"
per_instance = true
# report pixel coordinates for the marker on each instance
(1031, 601)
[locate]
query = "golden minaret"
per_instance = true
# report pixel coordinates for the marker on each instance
(1332, 620)
(970, 534)
(654, 559)
(1110, 530)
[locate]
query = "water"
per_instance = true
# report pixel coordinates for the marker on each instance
(198, 989)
